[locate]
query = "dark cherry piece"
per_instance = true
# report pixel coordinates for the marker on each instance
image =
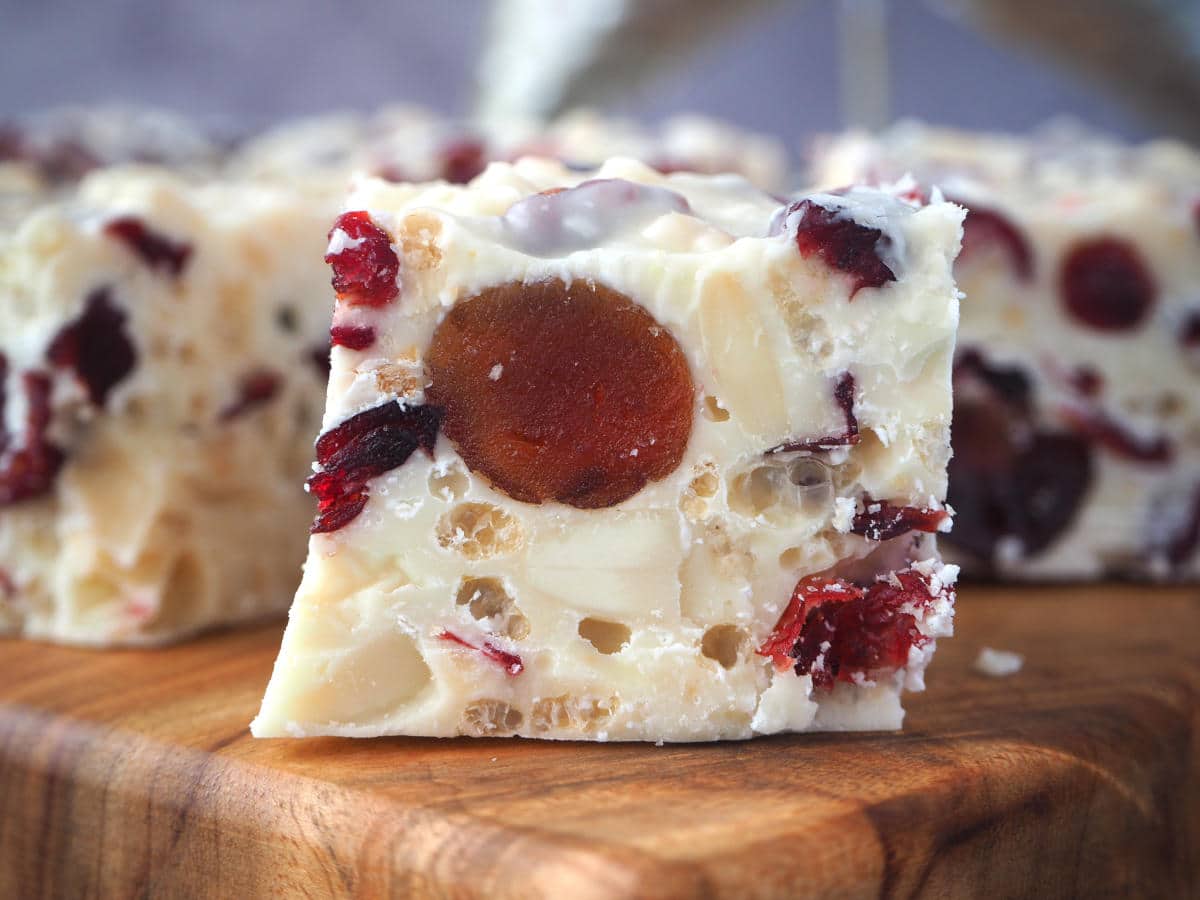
(463, 159)
(1105, 285)
(361, 448)
(984, 228)
(155, 249)
(364, 274)
(510, 662)
(842, 244)
(96, 346)
(882, 521)
(255, 389)
(1008, 478)
(352, 337)
(834, 630)
(555, 392)
(29, 469)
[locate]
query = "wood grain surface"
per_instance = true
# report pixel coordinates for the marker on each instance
(132, 774)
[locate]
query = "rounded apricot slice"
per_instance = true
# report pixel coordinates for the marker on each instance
(552, 391)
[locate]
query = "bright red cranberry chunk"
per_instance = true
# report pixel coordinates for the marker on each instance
(155, 249)
(96, 346)
(365, 266)
(510, 662)
(882, 521)
(352, 337)
(28, 470)
(841, 243)
(361, 448)
(837, 631)
(1105, 284)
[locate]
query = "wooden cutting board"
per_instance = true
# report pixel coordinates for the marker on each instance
(132, 774)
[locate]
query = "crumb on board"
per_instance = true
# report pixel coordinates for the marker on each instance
(998, 663)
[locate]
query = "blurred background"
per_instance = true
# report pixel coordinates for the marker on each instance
(772, 66)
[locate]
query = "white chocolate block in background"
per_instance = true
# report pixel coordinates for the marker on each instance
(178, 503)
(1101, 473)
(637, 621)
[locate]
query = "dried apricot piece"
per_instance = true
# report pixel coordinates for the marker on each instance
(552, 391)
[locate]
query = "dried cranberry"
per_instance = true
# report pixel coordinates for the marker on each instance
(352, 337)
(28, 470)
(841, 243)
(510, 662)
(1105, 284)
(985, 228)
(255, 389)
(156, 250)
(843, 396)
(96, 346)
(837, 631)
(365, 266)
(463, 159)
(1009, 384)
(361, 448)
(882, 521)
(572, 393)
(1115, 437)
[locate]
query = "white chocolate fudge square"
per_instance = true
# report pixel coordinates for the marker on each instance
(620, 456)
(1077, 387)
(162, 345)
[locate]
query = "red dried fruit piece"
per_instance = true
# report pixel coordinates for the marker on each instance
(842, 244)
(1115, 437)
(571, 393)
(510, 662)
(95, 346)
(1105, 285)
(882, 521)
(29, 470)
(156, 250)
(365, 266)
(8, 587)
(985, 228)
(361, 448)
(352, 337)
(843, 396)
(254, 390)
(463, 159)
(837, 631)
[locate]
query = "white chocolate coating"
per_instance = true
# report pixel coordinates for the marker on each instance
(637, 621)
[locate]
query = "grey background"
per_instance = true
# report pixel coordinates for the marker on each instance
(242, 63)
